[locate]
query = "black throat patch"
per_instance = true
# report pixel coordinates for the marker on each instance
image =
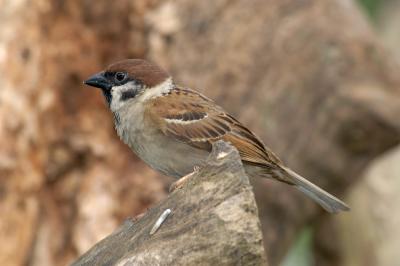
(107, 96)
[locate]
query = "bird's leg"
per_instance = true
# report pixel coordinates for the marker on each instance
(181, 181)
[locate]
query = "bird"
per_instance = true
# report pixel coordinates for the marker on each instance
(172, 128)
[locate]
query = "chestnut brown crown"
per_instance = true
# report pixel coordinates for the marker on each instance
(140, 70)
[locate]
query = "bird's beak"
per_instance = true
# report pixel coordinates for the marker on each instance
(99, 81)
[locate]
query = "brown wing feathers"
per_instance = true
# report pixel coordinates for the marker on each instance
(199, 123)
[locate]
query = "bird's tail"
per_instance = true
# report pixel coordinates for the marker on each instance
(323, 198)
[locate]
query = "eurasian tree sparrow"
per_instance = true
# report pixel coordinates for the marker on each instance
(172, 128)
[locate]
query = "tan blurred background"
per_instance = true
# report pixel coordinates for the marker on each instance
(317, 80)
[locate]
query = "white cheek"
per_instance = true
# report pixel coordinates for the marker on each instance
(115, 100)
(116, 93)
(149, 93)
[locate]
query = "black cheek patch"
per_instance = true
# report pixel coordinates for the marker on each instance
(128, 94)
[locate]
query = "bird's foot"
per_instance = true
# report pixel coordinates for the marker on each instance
(137, 217)
(181, 181)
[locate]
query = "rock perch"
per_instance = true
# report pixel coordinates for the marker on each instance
(212, 220)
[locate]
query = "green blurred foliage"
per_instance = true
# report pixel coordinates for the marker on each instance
(371, 7)
(300, 254)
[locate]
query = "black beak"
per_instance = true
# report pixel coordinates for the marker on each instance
(99, 81)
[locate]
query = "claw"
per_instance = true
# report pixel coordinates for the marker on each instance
(181, 182)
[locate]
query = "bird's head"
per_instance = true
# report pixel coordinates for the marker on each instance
(131, 80)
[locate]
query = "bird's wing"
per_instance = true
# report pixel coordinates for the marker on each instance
(190, 117)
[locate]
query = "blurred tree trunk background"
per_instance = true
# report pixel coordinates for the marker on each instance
(310, 77)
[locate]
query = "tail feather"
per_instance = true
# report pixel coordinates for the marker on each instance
(327, 201)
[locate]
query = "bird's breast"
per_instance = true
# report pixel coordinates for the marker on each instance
(162, 153)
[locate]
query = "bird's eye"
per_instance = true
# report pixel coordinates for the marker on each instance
(120, 76)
